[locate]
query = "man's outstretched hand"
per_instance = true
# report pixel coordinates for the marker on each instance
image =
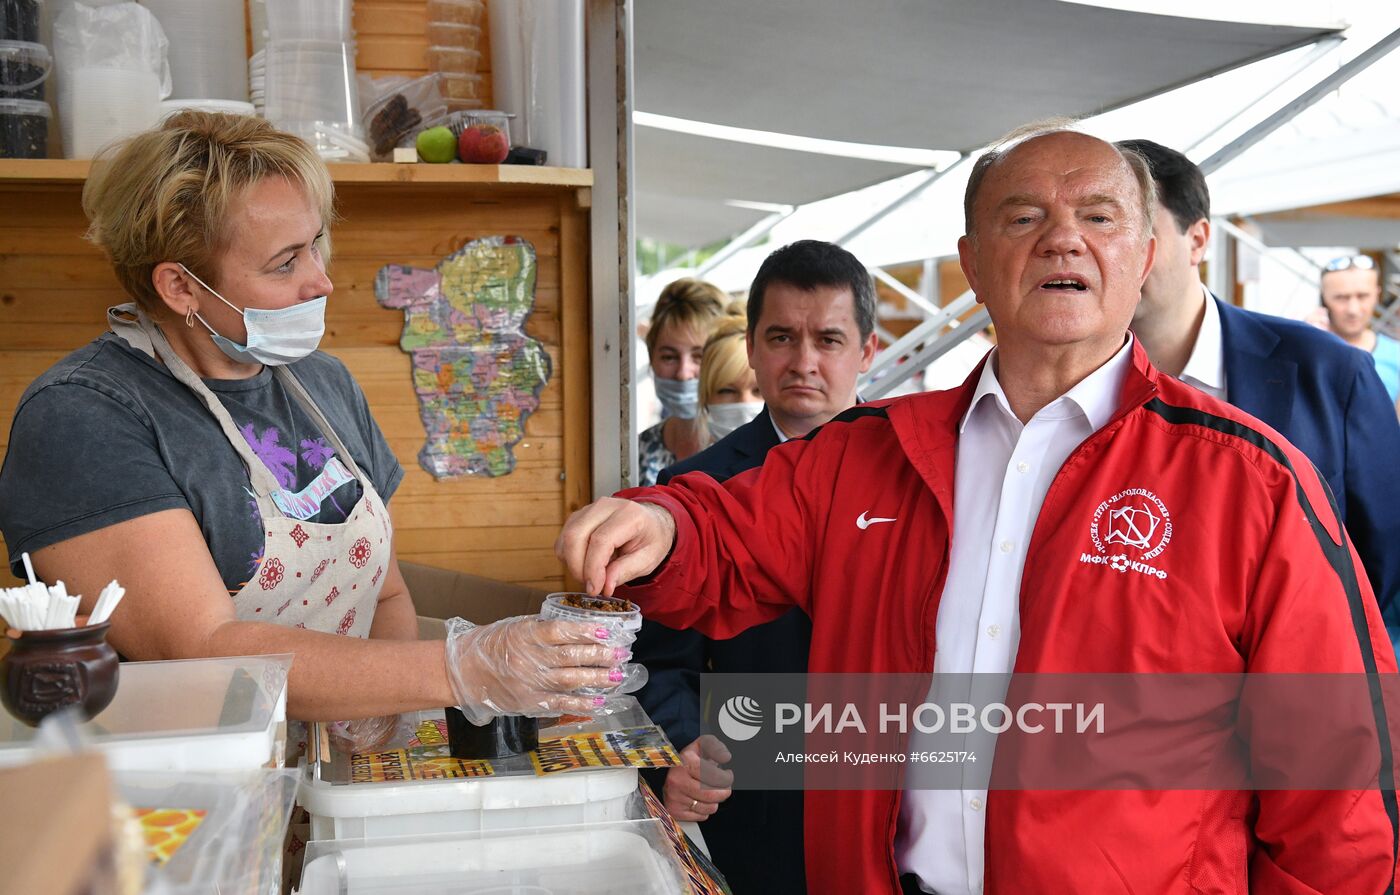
(611, 541)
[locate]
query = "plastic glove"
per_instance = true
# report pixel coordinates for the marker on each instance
(634, 676)
(528, 666)
(363, 734)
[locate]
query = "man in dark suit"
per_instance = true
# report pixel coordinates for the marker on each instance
(811, 333)
(1318, 392)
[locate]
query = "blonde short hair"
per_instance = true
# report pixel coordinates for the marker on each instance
(166, 194)
(686, 304)
(725, 359)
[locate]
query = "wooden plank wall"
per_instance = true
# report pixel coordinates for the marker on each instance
(54, 288)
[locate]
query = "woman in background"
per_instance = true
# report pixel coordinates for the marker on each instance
(683, 318)
(729, 392)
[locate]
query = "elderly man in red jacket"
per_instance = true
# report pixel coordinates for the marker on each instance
(973, 530)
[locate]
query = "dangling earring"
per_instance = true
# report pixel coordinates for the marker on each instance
(189, 317)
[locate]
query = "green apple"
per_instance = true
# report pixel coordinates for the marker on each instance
(437, 144)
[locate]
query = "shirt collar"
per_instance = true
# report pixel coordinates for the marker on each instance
(783, 436)
(1206, 366)
(1096, 395)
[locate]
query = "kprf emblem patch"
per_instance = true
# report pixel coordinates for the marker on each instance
(1129, 529)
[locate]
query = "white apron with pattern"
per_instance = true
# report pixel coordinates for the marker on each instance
(313, 575)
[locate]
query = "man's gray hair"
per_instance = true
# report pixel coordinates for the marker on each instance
(1142, 171)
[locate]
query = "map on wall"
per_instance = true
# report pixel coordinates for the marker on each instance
(477, 375)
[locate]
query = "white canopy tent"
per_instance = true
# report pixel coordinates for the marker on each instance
(897, 77)
(930, 74)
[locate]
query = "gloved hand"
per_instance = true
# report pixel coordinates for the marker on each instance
(363, 734)
(528, 666)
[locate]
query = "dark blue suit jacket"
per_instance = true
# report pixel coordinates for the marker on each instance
(755, 838)
(1326, 398)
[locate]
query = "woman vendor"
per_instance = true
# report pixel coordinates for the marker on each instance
(229, 475)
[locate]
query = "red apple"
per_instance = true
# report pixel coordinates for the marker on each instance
(483, 144)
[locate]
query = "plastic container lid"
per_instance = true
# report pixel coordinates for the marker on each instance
(627, 858)
(22, 107)
(457, 86)
(454, 60)
(190, 715)
(19, 19)
(464, 793)
(555, 607)
(454, 34)
(465, 12)
(23, 65)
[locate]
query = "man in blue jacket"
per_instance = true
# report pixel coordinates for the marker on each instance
(811, 333)
(1318, 392)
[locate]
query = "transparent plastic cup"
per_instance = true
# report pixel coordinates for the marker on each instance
(312, 81)
(453, 60)
(622, 619)
(460, 12)
(309, 20)
(452, 34)
(463, 87)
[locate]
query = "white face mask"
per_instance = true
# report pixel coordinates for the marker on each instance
(276, 337)
(721, 419)
(678, 397)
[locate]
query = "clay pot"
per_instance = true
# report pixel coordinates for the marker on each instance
(48, 670)
(499, 738)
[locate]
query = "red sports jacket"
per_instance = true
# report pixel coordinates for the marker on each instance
(1255, 576)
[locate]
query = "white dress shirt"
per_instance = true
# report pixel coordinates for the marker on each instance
(1205, 369)
(1004, 470)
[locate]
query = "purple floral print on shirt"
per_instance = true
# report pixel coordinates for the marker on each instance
(278, 459)
(316, 452)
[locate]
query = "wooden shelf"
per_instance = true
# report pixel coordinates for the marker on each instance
(60, 171)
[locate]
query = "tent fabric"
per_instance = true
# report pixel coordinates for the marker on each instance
(933, 74)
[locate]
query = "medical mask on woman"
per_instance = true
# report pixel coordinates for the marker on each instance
(275, 337)
(721, 419)
(678, 397)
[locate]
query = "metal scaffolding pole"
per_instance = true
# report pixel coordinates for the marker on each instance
(1344, 73)
(744, 240)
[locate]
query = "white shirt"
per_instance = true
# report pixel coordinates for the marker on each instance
(1004, 470)
(1205, 369)
(782, 436)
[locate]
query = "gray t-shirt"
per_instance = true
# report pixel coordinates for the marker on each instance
(108, 434)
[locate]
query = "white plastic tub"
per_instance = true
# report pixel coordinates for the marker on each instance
(190, 715)
(380, 810)
(616, 859)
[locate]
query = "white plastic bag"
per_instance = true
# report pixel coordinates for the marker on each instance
(112, 69)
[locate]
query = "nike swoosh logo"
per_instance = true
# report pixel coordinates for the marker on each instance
(863, 523)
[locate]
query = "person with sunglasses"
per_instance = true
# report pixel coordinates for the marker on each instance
(1351, 288)
(1323, 397)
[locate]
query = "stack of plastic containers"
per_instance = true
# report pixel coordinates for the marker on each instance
(24, 66)
(305, 81)
(205, 62)
(454, 49)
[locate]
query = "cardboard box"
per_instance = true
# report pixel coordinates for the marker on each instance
(442, 593)
(56, 834)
